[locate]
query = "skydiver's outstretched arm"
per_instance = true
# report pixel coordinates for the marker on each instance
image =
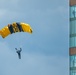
(20, 49)
(16, 48)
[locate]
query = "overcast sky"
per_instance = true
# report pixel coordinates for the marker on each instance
(46, 50)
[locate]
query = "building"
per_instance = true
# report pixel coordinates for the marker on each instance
(72, 38)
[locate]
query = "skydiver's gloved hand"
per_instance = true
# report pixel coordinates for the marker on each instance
(16, 48)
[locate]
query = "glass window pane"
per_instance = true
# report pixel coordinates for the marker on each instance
(73, 65)
(75, 26)
(72, 41)
(72, 27)
(75, 61)
(72, 12)
(75, 11)
(71, 61)
(75, 42)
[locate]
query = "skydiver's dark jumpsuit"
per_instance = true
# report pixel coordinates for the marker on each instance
(18, 51)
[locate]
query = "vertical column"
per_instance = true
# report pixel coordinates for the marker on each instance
(72, 37)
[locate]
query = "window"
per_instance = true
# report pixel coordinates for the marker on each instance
(72, 27)
(73, 61)
(72, 11)
(75, 26)
(75, 41)
(73, 65)
(72, 42)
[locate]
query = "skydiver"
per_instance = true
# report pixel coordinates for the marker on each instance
(19, 52)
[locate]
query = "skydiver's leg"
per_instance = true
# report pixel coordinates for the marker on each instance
(19, 55)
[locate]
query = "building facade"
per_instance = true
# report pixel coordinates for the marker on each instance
(72, 37)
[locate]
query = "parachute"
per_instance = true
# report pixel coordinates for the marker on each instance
(15, 27)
